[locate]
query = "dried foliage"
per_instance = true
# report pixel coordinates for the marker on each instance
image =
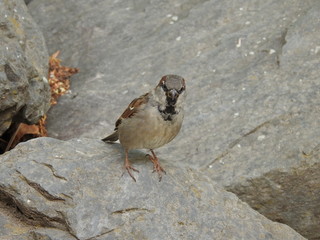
(23, 133)
(59, 83)
(59, 77)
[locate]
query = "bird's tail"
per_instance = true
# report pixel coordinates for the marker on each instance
(111, 138)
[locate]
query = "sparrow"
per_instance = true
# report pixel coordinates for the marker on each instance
(151, 121)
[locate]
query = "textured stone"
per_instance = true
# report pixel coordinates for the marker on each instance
(252, 79)
(13, 225)
(77, 186)
(275, 167)
(24, 89)
(277, 177)
(127, 46)
(27, 1)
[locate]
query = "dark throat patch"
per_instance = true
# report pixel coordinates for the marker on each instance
(168, 113)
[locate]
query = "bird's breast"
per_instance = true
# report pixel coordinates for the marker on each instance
(148, 129)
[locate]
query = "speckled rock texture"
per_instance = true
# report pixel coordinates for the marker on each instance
(77, 186)
(252, 115)
(24, 89)
(275, 166)
(252, 79)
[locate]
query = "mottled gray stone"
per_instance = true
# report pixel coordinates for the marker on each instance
(124, 48)
(24, 89)
(14, 226)
(27, 1)
(276, 166)
(77, 186)
(276, 169)
(252, 80)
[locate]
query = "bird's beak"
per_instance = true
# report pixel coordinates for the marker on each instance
(173, 94)
(172, 97)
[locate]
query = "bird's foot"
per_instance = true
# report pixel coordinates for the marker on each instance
(156, 165)
(128, 167)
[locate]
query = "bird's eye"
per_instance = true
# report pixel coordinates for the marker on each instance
(181, 90)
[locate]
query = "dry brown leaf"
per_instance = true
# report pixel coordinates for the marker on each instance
(22, 130)
(41, 124)
(59, 77)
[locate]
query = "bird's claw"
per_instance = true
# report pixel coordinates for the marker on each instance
(129, 168)
(156, 166)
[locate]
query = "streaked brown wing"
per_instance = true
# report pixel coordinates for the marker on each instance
(132, 108)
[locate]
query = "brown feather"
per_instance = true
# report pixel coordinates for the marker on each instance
(129, 112)
(132, 108)
(111, 138)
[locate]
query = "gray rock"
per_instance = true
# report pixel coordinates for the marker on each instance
(27, 1)
(14, 226)
(252, 81)
(275, 167)
(278, 177)
(77, 186)
(24, 89)
(126, 47)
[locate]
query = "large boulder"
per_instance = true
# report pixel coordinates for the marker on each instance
(13, 226)
(252, 80)
(275, 167)
(24, 89)
(75, 190)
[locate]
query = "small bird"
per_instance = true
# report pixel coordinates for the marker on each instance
(151, 121)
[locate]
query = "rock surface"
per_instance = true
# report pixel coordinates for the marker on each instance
(123, 49)
(24, 89)
(14, 227)
(77, 186)
(275, 167)
(280, 180)
(252, 81)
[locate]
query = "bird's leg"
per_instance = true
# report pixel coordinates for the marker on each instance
(128, 166)
(156, 165)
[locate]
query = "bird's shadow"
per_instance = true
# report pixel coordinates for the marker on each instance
(139, 159)
(135, 156)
